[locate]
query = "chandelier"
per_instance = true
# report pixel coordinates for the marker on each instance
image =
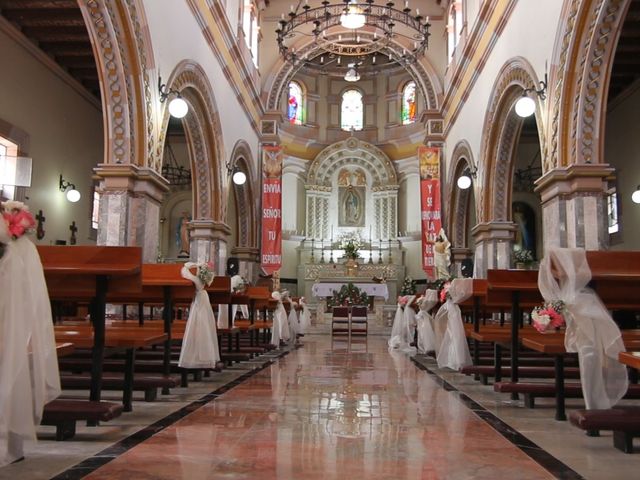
(353, 38)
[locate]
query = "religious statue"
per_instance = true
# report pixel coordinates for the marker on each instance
(442, 255)
(183, 235)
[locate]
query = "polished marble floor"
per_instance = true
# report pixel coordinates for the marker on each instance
(330, 410)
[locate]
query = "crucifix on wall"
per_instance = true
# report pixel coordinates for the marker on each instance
(40, 228)
(74, 229)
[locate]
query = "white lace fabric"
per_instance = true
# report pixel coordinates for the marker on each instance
(591, 332)
(200, 341)
(451, 342)
(424, 320)
(403, 327)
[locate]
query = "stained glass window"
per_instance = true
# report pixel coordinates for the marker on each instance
(409, 103)
(352, 110)
(295, 104)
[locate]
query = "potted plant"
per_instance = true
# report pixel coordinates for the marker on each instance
(523, 258)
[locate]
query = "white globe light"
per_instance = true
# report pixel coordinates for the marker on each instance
(178, 108)
(464, 182)
(73, 195)
(635, 196)
(354, 19)
(239, 178)
(525, 107)
(352, 75)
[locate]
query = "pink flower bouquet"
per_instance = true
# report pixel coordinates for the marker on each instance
(549, 317)
(18, 219)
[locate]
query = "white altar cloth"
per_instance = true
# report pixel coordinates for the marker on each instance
(371, 289)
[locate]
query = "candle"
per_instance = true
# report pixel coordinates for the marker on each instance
(370, 237)
(331, 234)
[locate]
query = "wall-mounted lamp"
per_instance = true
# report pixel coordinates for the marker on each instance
(237, 175)
(635, 196)
(464, 180)
(73, 195)
(526, 106)
(178, 108)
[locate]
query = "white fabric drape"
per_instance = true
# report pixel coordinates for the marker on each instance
(294, 322)
(453, 351)
(590, 331)
(424, 320)
(29, 376)
(403, 326)
(305, 317)
(223, 315)
(280, 327)
(200, 341)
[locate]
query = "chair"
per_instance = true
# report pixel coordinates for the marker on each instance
(340, 321)
(359, 320)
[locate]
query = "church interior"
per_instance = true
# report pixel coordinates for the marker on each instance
(308, 239)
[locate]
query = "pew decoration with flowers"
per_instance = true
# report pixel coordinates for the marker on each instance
(205, 273)
(549, 317)
(18, 219)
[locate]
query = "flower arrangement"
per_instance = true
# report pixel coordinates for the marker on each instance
(351, 244)
(238, 283)
(205, 273)
(348, 294)
(523, 256)
(549, 317)
(408, 286)
(444, 292)
(402, 301)
(18, 219)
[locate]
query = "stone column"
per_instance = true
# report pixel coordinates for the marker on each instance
(459, 254)
(574, 206)
(494, 241)
(249, 258)
(208, 242)
(129, 214)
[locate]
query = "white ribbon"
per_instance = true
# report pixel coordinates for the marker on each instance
(403, 326)
(200, 342)
(280, 327)
(426, 335)
(590, 329)
(453, 350)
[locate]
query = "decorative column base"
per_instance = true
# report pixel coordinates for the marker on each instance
(209, 243)
(574, 206)
(249, 258)
(129, 215)
(494, 242)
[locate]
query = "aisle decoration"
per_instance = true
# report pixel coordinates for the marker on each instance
(29, 376)
(451, 346)
(590, 330)
(200, 342)
(424, 320)
(280, 328)
(549, 317)
(403, 325)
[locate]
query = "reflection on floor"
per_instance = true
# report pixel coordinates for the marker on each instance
(333, 408)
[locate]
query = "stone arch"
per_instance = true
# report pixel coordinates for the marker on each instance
(124, 60)
(582, 58)
(245, 196)
(459, 199)
(203, 131)
(501, 132)
(370, 157)
(422, 73)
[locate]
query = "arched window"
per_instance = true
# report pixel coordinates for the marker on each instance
(408, 110)
(352, 110)
(295, 104)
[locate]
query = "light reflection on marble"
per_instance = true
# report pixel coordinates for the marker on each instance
(320, 414)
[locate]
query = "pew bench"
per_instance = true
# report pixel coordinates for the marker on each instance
(624, 422)
(63, 414)
(148, 385)
(489, 371)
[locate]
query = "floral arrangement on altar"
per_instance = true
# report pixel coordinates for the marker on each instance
(523, 256)
(351, 243)
(18, 218)
(408, 286)
(549, 317)
(349, 294)
(205, 273)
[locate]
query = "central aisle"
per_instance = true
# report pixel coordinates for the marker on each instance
(352, 411)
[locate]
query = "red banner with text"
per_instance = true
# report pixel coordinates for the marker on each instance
(430, 209)
(271, 259)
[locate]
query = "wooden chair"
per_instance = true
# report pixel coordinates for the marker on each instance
(340, 322)
(359, 325)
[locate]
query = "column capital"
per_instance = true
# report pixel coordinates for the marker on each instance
(574, 179)
(209, 229)
(494, 231)
(141, 181)
(249, 254)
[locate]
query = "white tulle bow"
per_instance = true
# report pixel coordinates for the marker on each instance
(451, 343)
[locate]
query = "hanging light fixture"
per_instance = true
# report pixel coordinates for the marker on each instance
(73, 195)
(526, 106)
(352, 17)
(352, 75)
(239, 177)
(464, 180)
(178, 108)
(401, 35)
